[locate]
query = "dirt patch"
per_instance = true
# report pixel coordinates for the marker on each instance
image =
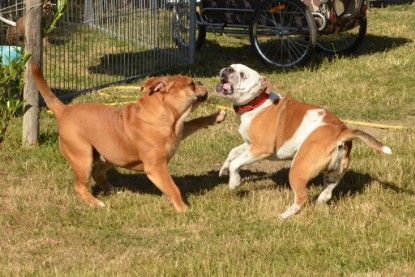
(268, 166)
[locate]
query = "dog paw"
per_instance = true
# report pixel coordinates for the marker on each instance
(221, 116)
(233, 186)
(323, 198)
(284, 216)
(295, 208)
(99, 204)
(223, 171)
(181, 208)
(234, 182)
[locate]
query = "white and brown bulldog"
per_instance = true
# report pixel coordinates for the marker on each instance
(276, 127)
(142, 136)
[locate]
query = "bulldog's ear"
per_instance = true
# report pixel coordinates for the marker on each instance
(157, 86)
(147, 84)
(266, 85)
(153, 84)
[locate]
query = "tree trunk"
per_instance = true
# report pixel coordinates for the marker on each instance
(33, 46)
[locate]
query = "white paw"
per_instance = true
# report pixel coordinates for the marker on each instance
(234, 182)
(324, 197)
(100, 204)
(291, 211)
(221, 116)
(223, 170)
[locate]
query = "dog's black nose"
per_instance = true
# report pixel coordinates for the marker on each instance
(225, 74)
(202, 98)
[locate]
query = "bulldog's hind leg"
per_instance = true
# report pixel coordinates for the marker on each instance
(335, 171)
(311, 159)
(331, 180)
(80, 158)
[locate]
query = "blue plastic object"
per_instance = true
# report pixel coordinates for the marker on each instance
(9, 53)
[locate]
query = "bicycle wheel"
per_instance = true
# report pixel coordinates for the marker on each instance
(181, 27)
(344, 42)
(283, 33)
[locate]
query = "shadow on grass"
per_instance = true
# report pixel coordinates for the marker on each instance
(187, 184)
(136, 64)
(375, 44)
(353, 183)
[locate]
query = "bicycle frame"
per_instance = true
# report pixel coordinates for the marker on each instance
(236, 20)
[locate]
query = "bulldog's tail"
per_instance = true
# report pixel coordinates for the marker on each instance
(53, 103)
(348, 135)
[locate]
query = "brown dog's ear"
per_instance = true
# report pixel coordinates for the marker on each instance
(266, 85)
(157, 86)
(153, 84)
(148, 83)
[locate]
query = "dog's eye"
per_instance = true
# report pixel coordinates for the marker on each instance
(243, 75)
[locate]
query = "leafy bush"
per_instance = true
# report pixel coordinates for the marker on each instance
(11, 91)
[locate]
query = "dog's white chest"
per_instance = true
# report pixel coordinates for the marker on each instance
(311, 121)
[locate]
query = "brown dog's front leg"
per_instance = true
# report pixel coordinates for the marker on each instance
(202, 122)
(162, 179)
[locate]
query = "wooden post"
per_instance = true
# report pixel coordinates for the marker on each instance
(33, 46)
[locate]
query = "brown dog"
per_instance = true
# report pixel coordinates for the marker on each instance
(281, 128)
(15, 34)
(142, 136)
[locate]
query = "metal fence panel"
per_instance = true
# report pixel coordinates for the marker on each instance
(102, 42)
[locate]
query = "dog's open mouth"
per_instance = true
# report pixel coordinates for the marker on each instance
(224, 89)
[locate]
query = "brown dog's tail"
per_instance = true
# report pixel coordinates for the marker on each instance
(53, 103)
(348, 135)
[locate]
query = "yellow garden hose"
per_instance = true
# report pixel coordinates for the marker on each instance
(352, 122)
(375, 125)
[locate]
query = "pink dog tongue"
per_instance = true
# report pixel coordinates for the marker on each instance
(226, 86)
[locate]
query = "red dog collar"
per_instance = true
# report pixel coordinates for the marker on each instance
(253, 104)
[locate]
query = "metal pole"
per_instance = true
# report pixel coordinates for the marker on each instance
(192, 38)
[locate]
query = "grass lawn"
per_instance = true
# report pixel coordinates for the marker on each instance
(368, 229)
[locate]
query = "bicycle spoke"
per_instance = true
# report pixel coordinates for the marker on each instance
(281, 31)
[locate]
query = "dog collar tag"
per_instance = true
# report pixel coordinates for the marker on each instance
(274, 97)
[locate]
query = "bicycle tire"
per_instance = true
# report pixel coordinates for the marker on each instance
(283, 33)
(180, 29)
